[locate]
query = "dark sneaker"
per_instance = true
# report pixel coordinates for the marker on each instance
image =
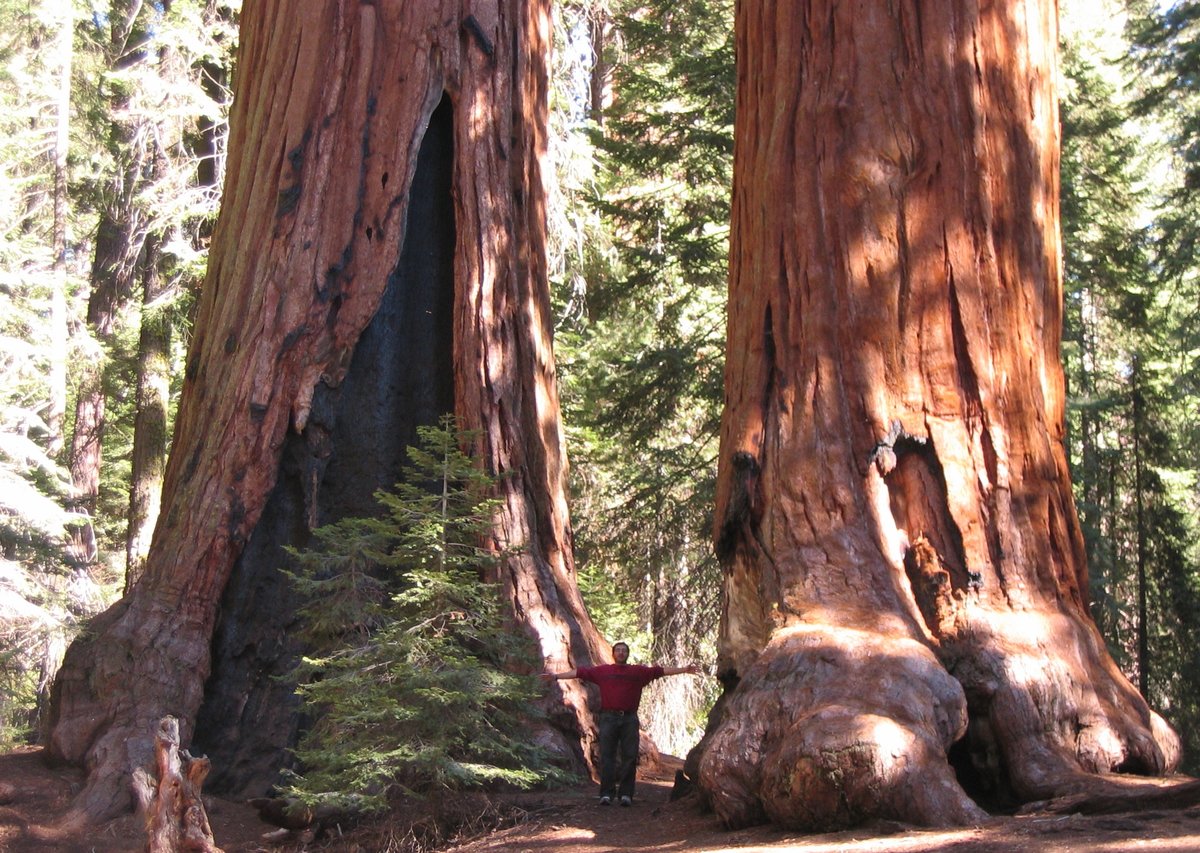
(626, 801)
(606, 801)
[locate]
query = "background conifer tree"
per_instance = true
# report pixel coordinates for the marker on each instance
(147, 102)
(642, 343)
(1128, 299)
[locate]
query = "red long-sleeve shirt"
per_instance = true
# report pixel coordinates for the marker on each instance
(620, 683)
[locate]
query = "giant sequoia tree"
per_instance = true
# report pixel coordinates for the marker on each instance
(905, 581)
(378, 261)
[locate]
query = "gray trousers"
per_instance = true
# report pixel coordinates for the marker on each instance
(618, 753)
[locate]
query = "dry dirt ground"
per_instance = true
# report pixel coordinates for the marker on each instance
(34, 798)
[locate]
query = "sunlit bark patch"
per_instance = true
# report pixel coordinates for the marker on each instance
(833, 724)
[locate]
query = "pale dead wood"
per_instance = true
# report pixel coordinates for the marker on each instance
(174, 812)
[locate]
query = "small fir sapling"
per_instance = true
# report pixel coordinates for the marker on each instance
(414, 678)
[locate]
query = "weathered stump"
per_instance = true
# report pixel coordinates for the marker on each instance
(171, 805)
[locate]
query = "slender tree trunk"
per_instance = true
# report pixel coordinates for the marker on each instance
(601, 76)
(1140, 527)
(113, 275)
(903, 562)
(110, 288)
(379, 257)
(150, 421)
(1092, 471)
(1115, 534)
(113, 272)
(63, 52)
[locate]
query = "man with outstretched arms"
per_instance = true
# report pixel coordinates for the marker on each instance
(621, 684)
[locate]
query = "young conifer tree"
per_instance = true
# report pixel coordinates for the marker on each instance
(412, 680)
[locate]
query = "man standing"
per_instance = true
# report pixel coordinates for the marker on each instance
(621, 685)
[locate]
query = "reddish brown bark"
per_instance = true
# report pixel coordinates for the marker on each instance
(904, 566)
(333, 103)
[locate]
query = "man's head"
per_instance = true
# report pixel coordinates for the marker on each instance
(620, 652)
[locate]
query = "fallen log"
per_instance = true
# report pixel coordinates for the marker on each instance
(171, 805)
(1110, 797)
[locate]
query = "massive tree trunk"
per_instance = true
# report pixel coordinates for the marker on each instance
(904, 569)
(378, 260)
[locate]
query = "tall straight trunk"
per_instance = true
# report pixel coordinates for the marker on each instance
(1092, 470)
(114, 270)
(63, 47)
(379, 259)
(110, 290)
(599, 79)
(150, 420)
(905, 582)
(1140, 527)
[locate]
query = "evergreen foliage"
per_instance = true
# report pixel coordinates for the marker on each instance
(157, 102)
(1105, 274)
(1129, 416)
(415, 677)
(162, 66)
(641, 353)
(1165, 53)
(43, 593)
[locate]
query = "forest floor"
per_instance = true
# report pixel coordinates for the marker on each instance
(34, 799)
